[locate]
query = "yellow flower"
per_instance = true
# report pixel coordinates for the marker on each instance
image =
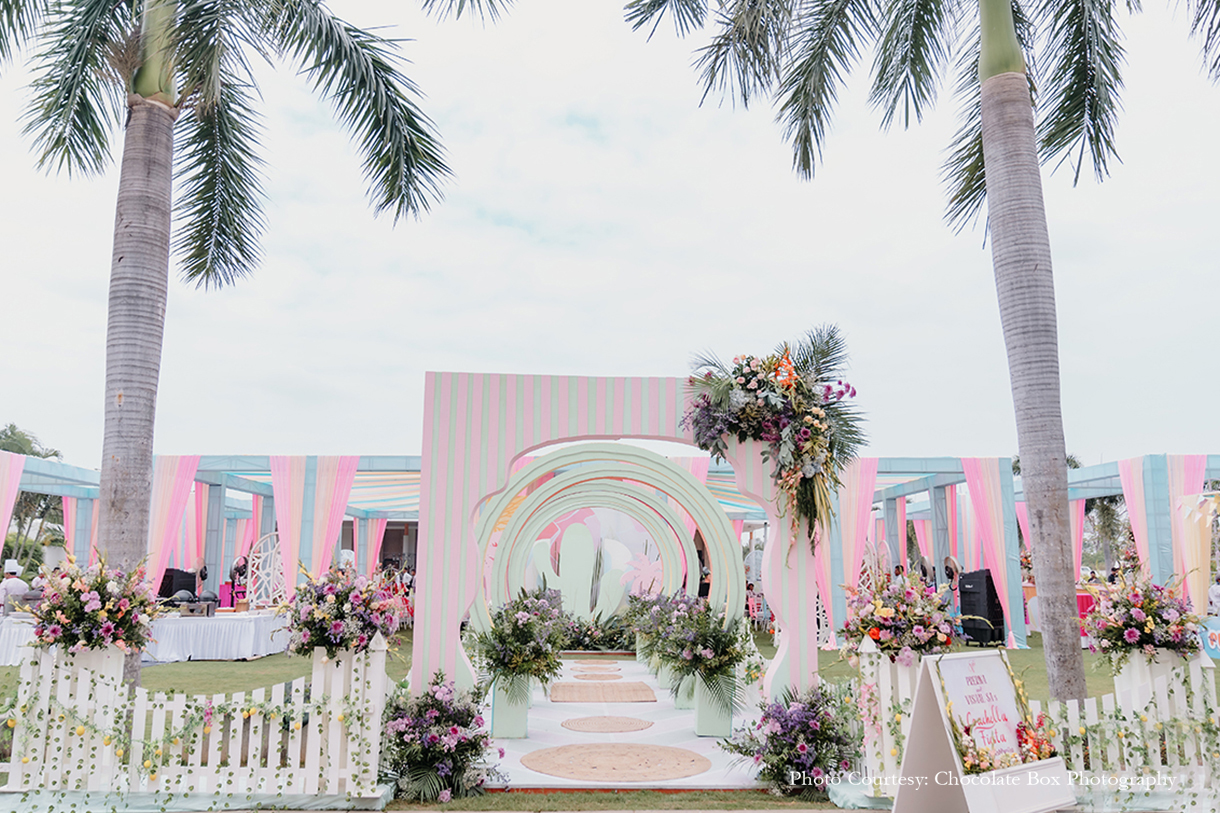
(25, 760)
(340, 717)
(148, 763)
(898, 718)
(893, 752)
(297, 725)
(1082, 731)
(80, 731)
(253, 711)
(118, 753)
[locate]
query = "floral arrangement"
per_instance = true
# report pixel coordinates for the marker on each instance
(699, 642)
(801, 741)
(95, 608)
(794, 401)
(525, 639)
(657, 618)
(338, 612)
(435, 743)
(1138, 616)
(596, 634)
(903, 616)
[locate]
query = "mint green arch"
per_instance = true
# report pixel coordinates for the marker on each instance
(530, 519)
(622, 462)
(672, 544)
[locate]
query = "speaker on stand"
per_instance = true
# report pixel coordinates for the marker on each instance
(980, 600)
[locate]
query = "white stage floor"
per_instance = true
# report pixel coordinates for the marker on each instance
(670, 727)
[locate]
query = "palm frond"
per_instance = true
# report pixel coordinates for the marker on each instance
(18, 21)
(220, 196)
(722, 689)
(911, 56)
(748, 49)
(1205, 23)
(74, 107)
(826, 45)
(963, 171)
(687, 15)
(358, 71)
(484, 8)
(1080, 95)
(821, 355)
(212, 41)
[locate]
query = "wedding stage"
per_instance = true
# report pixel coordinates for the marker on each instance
(223, 637)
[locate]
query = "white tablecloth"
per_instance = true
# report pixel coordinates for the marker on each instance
(225, 637)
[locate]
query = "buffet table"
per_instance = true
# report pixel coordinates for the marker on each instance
(223, 637)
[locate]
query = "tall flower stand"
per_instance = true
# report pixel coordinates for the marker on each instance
(685, 698)
(665, 678)
(1135, 684)
(887, 692)
(712, 719)
(509, 716)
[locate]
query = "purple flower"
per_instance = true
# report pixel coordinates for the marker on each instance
(445, 796)
(1138, 614)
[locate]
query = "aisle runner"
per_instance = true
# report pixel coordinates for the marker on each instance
(606, 725)
(599, 676)
(626, 692)
(614, 762)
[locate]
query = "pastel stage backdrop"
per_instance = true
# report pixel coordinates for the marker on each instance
(476, 427)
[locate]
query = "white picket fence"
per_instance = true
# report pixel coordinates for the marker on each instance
(1160, 729)
(77, 727)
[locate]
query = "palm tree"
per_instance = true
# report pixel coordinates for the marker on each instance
(180, 70)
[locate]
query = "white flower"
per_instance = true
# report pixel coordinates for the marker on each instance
(113, 588)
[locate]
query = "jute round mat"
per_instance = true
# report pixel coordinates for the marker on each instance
(596, 669)
(606, 725)
(599, 676)
(597, 660)
(614, 762)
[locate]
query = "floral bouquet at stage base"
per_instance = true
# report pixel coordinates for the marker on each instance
(794, 401)
(801, 741)
(436, 744)
(95, 608)
(599, 635)
(1136, 615)
(526, 636)
(904, 617)
(696, 642)
(338, 612)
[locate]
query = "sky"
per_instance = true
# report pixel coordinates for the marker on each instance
(601, 221)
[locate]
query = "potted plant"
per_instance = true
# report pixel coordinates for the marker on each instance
(95, 615)
(1144, 631)
(436, 744)
(522, 645)
(339, 612)
(703, 649)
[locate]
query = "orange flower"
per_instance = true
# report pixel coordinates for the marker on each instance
(874, 633)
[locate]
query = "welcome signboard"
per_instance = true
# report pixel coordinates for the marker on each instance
(975, 692)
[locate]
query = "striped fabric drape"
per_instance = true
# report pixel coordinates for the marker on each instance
(173, 476)
(11, 466)
(986, 496)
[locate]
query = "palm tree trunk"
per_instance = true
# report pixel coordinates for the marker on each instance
(139, 281)
(1021, 254)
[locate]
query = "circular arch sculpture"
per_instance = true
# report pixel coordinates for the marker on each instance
(612, 463)
(657, 517)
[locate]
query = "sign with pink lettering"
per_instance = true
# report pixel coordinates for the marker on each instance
(981, 697)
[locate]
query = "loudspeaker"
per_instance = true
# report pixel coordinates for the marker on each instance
(979, 598)
(175, 580)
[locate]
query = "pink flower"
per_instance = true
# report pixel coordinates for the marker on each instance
(445, 796)
(801, 748)
(1131, 635)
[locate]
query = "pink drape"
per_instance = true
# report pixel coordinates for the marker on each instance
(246, 540)
(1023, 521)
(334, 485)
(1131, 475)
(68, 509)
(1186, 475)
(173, 476)
(375, 536)
(821, 576)
(923, 535)
(983, 482)
(195, 537)
(697, 466)
(93, 534)
(859, 481)
(288, 486)
(951, 515)
(902, 528)
(11, 466)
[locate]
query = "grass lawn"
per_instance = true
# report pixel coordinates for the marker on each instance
(623, 800)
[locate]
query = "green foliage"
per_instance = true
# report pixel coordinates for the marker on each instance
(89, 54)
(524, 642)
(598, 634)
(435, 745)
